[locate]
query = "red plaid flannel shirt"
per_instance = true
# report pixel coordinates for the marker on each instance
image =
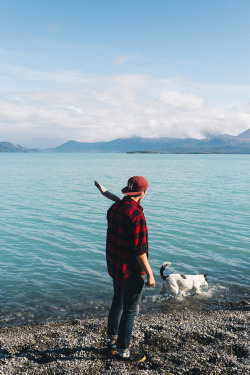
(127, 237)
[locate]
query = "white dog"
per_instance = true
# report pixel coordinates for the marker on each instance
(176, 281)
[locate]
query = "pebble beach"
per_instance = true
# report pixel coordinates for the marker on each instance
(205, 340)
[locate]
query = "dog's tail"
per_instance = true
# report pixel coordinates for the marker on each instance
(163, 267)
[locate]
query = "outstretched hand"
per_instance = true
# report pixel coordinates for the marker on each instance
(100, 187)
(106, 193)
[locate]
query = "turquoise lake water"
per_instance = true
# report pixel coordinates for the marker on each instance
(53, 228)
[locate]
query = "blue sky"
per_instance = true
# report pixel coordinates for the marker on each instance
(103, 69)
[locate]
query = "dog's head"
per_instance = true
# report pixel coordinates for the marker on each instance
(205, 279)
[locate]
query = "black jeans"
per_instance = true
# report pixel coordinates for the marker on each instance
(124, 309)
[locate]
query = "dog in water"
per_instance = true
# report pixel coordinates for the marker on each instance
(175, 281)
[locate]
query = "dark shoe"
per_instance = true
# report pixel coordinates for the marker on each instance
(108, 350)
(113, 349)
(133, 358)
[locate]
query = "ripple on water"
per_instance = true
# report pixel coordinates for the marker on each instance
(53, 228)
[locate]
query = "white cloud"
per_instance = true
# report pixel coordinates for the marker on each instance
(10, 72)
(121, 60)
(182, 101)
(112, 107)
(244, 107)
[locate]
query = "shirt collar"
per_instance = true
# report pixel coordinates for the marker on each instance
(134, 203)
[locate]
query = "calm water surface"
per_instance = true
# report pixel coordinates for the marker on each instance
(53, 228)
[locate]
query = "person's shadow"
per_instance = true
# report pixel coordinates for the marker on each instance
(51, 355)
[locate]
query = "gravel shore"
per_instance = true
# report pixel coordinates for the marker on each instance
(178, 341)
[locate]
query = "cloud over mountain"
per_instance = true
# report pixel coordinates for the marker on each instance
(115, 107)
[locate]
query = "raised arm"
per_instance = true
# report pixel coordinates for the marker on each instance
(107, 193)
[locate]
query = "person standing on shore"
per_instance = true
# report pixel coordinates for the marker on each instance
(127, 263)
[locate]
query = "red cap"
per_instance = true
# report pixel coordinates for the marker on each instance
(136, 185)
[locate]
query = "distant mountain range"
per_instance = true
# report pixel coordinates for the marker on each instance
(218, 144)
(9, 147)
(227, 144)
